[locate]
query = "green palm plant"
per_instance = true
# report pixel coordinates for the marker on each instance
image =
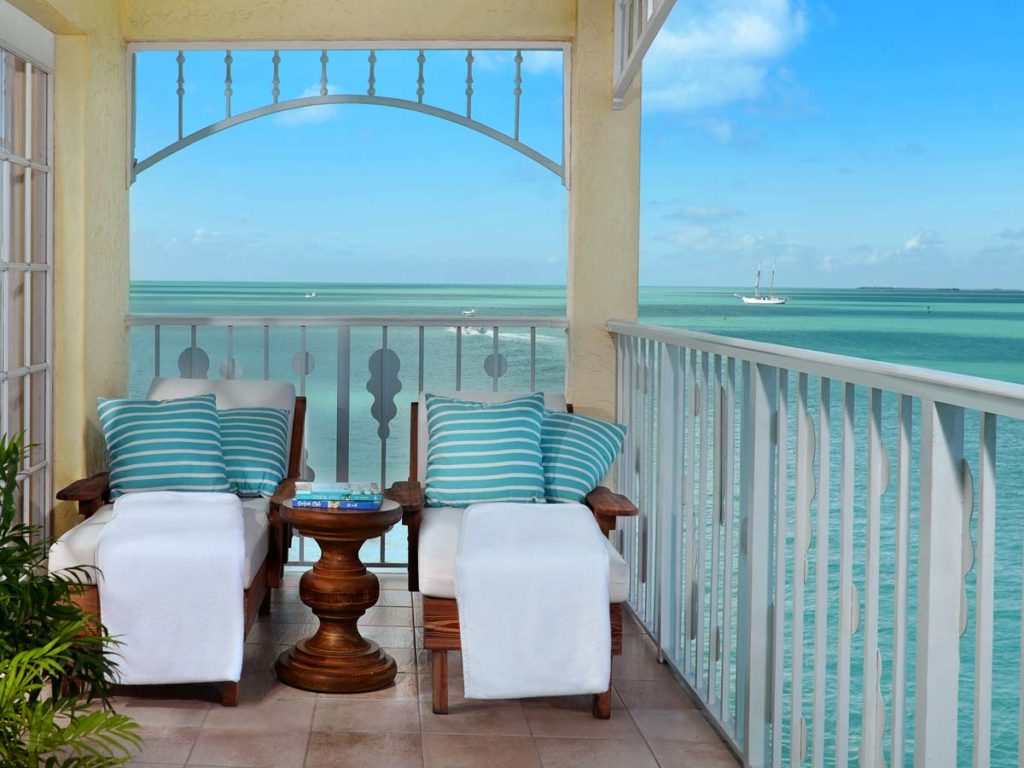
(54, 664)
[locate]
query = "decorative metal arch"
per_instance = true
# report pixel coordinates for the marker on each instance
(466, 120)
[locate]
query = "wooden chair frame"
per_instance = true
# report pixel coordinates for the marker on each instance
(91, 493)
(441, 616)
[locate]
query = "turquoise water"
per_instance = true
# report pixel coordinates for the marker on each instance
(978, 333)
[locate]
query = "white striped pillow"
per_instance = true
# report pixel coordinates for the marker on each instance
(578, 452)
(480, 452)
(255, 449)
(163, 445)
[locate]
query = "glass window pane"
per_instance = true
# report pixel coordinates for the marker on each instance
(15, 405)
(39, 318)
(5, 62)
(40, 200)
(16, 319)
(40, 418)
(38, 501)
(17, 74)
(39, 122)
(16, 235)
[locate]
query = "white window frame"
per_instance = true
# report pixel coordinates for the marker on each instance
(33, 44)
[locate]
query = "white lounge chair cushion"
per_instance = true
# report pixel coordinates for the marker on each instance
(439, 540)
(77, 547)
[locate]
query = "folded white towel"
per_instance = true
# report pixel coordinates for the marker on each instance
(531, 582)
(171, 586)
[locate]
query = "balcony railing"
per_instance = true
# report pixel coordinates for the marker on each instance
(817, 553)
(359, 375)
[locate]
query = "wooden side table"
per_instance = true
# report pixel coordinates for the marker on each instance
(339, 589)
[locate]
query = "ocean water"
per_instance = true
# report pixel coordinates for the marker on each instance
(972, 332)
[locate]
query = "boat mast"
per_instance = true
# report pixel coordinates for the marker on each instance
(771, 286)
(757, 284)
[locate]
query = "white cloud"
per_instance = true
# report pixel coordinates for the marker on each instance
(320, 113)
(923, 247)
(715, 52)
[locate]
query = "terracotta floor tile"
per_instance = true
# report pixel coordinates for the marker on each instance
(167, 713)
(401, 598)
(393, 579)
(462, 751)
(476, 718)
(567, 721)
(405, 687)
(653, 694)
(404, 657)
(165, 744)
(386, 616)
(674, 725)
(271, 714)
(251, 749)
(595, 753)
(283, 633)
(364, 750)
(677, 754)
(389, 637)
(366, 716)
(153, 765)
(288, 613)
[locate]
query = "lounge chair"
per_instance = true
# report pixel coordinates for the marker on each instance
(267, 536)
(433, 541)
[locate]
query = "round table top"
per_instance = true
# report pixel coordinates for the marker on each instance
(371, 522)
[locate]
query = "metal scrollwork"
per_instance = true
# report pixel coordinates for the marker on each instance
(495, 365)
(384, 385)
(303, 363)
(193, 363)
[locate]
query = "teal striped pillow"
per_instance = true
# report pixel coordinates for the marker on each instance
(484, 452)
(578, 452)
(255, 449)
(163, 445)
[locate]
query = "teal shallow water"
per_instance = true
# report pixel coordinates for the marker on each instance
(978, 333)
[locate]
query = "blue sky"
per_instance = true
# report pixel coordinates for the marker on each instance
(862, 143)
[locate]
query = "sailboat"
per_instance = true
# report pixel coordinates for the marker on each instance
(761, 300)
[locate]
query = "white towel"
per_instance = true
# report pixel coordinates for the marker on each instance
(532, 586)
(171, 587)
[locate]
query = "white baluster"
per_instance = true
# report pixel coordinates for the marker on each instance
(939, 581)
(701, 510)
(275, 89)
(877, 474)
(778, 558)
(323, 73)
(985, 590)
(727, 513)
(821, 647)
(899, 645)
(760, 405)
(847, 607)
(518, 92)
(717, 504)
(801, 542)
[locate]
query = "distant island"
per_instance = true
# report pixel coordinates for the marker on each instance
(937, 290)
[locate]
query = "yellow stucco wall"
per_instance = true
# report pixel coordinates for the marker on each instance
(91, 127)
(90, 227)
(604, 213)
(253, 20)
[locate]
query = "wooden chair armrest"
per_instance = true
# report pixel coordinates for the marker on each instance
(91, 493)
(408, 494)
(285, 491)
(608, 506)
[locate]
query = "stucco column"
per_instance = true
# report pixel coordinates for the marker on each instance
(90, 259)
(604, 212)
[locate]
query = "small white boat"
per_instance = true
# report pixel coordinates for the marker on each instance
(467, 313)
(763, 300)
(311, 295)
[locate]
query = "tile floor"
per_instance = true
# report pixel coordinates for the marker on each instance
(653, 723)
